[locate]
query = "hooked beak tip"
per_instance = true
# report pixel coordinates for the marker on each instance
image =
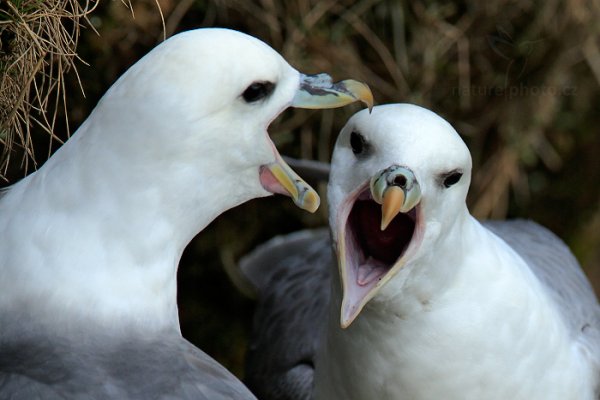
(360, 91)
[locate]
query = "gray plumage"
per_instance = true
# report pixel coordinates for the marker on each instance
(294, 278)
(96, 366)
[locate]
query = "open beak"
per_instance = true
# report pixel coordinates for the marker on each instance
(319, 91)
(278, 177)
(315, 92)
(378, 230)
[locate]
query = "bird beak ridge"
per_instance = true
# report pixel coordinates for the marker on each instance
(319, 91)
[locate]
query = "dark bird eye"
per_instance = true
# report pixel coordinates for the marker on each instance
(452, 178)
(258, 91)
(358, 142)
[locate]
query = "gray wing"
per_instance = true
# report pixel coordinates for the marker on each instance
(292, 274)
(162, 368)
(559, 272)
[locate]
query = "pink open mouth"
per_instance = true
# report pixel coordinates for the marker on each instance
(370, 253)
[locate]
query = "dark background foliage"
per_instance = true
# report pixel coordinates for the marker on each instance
(518, 79)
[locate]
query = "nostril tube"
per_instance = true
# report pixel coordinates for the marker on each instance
(400, 180)
(395, 176)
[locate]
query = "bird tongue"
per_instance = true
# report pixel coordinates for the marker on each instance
(370, 270)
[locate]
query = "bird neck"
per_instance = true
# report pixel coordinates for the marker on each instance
(99, 230)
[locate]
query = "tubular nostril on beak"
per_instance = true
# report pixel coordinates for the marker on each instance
(399, 176)
(400, 180)
(394, 175)
(397, 190)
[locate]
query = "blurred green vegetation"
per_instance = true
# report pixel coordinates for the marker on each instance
(518, 79)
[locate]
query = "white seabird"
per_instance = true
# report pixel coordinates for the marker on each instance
(435, 306)
(91, 242)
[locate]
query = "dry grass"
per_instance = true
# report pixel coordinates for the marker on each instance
(518, 79)
(504, 72)
(37, 48)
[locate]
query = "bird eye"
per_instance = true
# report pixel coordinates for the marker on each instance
(357, 142)
(452, 179)
(258, 91)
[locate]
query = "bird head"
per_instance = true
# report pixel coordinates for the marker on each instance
(209, 95)
(399, 180)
